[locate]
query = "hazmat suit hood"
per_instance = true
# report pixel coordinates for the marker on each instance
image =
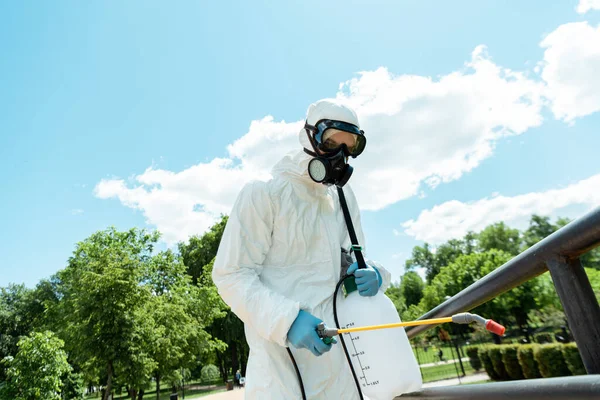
(295, 164)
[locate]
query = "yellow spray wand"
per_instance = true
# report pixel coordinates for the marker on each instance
(462, 318)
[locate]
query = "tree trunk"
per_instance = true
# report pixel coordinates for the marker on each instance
(141, 394)
(108, 388)
(243, 358)
(234, 357)
(221, 367)
(132, 393)
(157, 386)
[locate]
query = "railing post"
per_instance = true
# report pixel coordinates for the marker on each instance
(580, 306)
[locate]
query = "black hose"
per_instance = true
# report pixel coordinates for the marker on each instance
(297, 373)
(337, 288)
(339, 284)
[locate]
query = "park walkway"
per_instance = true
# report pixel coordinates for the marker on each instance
(238, 394)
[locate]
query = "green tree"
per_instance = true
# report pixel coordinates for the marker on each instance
(200, 250)
(411, 288)
(36, 370)
(180, 312)
(446, 253)
(103, 306)
(539, 228)
(198, 256)
(462, 273)
(230, 330)
(20, 313)
(423, 257)
(393, 292)
(500, 237)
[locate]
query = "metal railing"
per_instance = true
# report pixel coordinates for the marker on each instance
(559, 253)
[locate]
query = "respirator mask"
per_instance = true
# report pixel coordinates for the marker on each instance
(330, 163)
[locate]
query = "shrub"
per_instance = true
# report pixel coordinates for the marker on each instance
(484, 356)
(209, 373)
(511, 361)
(551, 361)
(527, 361)
(543, 337)
(495, 354)
(573, 359)
(474, 357)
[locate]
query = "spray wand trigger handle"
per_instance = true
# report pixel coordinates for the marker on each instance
(326, 333)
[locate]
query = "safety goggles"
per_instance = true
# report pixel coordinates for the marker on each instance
(329, 145)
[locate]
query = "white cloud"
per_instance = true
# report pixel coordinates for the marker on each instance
(453, 219)
(587, 5)
(420, 130)
(76, 211)
(570, 70)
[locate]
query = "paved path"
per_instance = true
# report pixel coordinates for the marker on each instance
(433, 364)
(235, 394)
(238, 394)
(455, 381)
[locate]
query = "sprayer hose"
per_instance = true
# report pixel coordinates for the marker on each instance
(337, 288)
(297, 373)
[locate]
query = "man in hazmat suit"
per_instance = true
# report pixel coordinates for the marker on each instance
(280, 258)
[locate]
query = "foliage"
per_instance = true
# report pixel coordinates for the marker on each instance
(36, 370)
(411, 288)
(486, 360)
(74, 386)
(408, 293)
(394, 293)
(529, 365)
(103, 308)
(511, 361)
(446, 253)
(209, 373)
(543, 337)
(551, 361)
(180, 312)
(594, 277)
(500, 237)
(573, 359)
(472, 352)
(200, 250)
(464, 271)
(228, 330)
(495, 354)
(20, 313)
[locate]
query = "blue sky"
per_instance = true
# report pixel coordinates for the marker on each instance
(104, 90)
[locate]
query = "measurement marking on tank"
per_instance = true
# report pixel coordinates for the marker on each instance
(356, 354)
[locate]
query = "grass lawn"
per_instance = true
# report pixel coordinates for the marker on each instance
(444, 371)
(165, 392)
(478, 382)
(430, 356)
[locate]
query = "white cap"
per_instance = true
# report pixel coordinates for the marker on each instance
(330, 109)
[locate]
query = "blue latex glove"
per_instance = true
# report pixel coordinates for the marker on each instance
(303, 334)
(368, 280)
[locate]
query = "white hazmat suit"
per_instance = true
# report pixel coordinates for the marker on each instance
(281, 252)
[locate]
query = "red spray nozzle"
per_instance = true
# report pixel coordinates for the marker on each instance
(494, 327)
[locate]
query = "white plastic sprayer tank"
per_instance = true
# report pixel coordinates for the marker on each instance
(382, 359)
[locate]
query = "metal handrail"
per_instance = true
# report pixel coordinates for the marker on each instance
(565, 388)
(576, 238)
(559, 253)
